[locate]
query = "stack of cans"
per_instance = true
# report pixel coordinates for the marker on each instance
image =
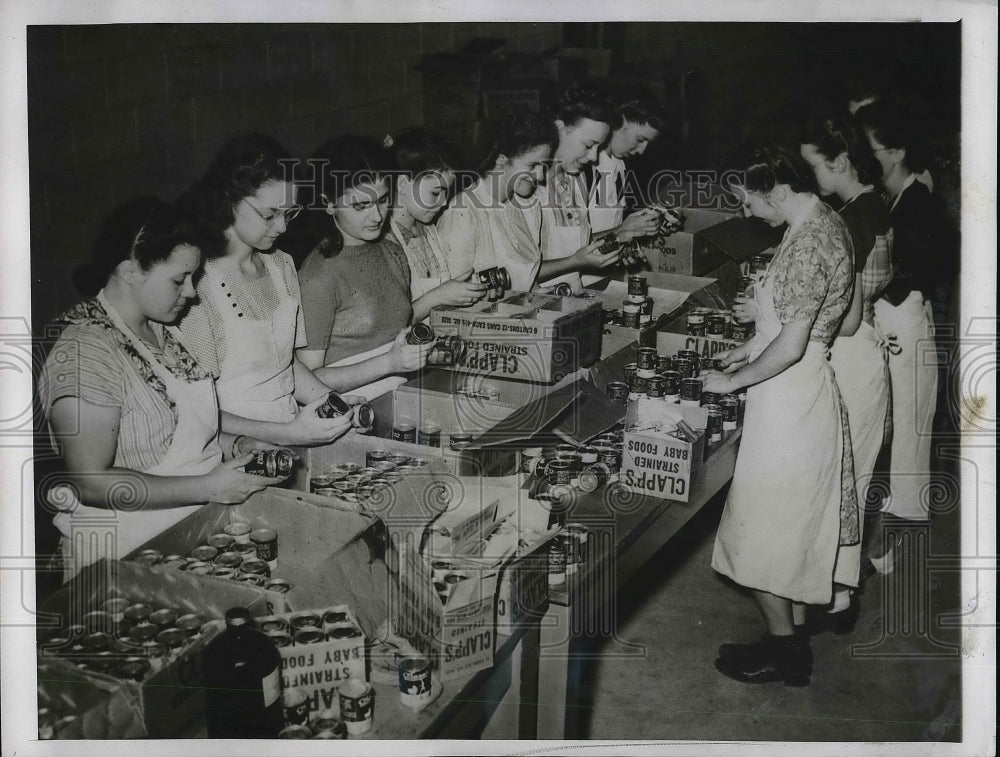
(299, 629)
(125, 639)
(239, 553)
(717, 324)
(368, 486)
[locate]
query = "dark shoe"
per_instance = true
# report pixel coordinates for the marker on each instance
(867, 570)
(773, 658)
(841, 623)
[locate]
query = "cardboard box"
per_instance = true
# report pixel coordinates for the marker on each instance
(526, 336)
(662, 466)
(322, 552)
(320, 669)
(673, 336)
(170, 702)
(683, 252)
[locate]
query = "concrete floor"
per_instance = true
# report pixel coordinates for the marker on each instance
(895, 678)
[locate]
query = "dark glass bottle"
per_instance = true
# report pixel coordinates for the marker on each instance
(242, 674)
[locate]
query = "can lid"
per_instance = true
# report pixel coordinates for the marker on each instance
(237, 616)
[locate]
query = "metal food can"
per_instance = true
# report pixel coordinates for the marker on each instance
(630, 370)
(115, 608)
(164, 618)
(528, 458)
(420, 333)
(557, 562)
(460, 438)
(617, 390)
(271, 463)
(228, 560)
(739, 331)
(98, 620)
(239, 531)
(303, 620)
(709, 398)
(559, 472)
(646, 361)
(137, 612)
(562, 289)
(693, 355)
(730, 406)
(691, 391)
(176, 562)
(747, 285)
(758, 264)
(429, 434)
(248, 549)
(716, 325)
(172, 638)
(696, 324)
(646, 311)
(97, 641)
(656, 386)
(295, 732)
(280, 639)
(340, 631)
(685, 368)
(249, 578)
(404, 432)
(295, 706)
(310, 635)
(133, 670)
(587, 482)
(190, 624)
(663, 364)
(713, 431)
(255, 567)
(199, 568)
(611, 457)
(339, 731)
(334, 407)
(270, 623)
(588, 455)
(321, 481)
(364, 416)
(204, 553)
(414, 681)
(221, 571)
(334, 617)
(638, 386)
(630, 315)
(266, 541)
(356, 706)
(637, 285)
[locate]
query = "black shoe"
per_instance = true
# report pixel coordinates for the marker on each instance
(841, 623)
(773, 658)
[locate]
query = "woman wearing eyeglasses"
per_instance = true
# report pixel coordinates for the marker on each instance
(248, 319)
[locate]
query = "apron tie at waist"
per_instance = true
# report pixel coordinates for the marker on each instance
(888, 343)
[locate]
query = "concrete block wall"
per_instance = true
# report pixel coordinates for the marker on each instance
(118, 111)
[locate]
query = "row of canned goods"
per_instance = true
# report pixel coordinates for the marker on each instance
(240, 553)
(445, 350)
(124, 639)
(568, 551)
(353, 483)
(304, 628)
(586, 467)
(717, 324)
(427, 434)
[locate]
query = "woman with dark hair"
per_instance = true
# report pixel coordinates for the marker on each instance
(583, 122)
(424, 176)
(498, 220)
(925, 261)
(792, 499)
(132, 414)
(248, 319)
(355, 283)
(843, 165)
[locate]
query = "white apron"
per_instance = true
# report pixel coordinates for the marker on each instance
(559, 241)
(91, 533)
(913, 374)
(378, 387)
(863, 378)
(421, 285)
(256, 380)
(607, 209)
(781, 525)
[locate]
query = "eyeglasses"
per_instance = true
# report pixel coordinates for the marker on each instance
(290, 214)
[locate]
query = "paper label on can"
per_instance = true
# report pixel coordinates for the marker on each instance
(271, 686)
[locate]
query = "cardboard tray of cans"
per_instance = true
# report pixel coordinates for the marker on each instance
(446, 555)
(694, 330)
(322, 553)
(655, 462)
(320, 649)
(102, 667)
(527, 336)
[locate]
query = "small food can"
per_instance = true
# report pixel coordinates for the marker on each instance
(172, 638)
(758, 264)
(295, 706)
(339, 731)
(559, 472)
(138, 611)
(739, 332)
(239, 531)
(333, 618)
(190, 624)
(357, 706)
(747, 284)
(404, 432)
(328, 720)
(249, 549)
(709, 398)
(204, 553)
(713, 431)
(270, 623)
(309, 635)
(271, 463)
(199, 568)
(295, 732)
(97, 641)
(303, 620)
(343, 631)
(587, 482)
(630, 371)
(115, 608)
(164, 617)
(144, 630)
(176, 562)
(671, 383)
(420, 333)
(693, 355)
(334, 407)
(663, 364)
(630, 314)
(266, 541)
(255, 567)
(221, 542)
(730, 406)
(133, 670)
(280, 639)
(562, 289)
(414, 681)
(429, 434)
(685, 368)
(637, 285)
(696, 324)
(374, 456)
(228, 560)
(588, 455)
(691, 391)
(248, 578)
(638, 387)
(646, 361)
(611, 457)
(557, 562)
(617, 390)
(460, 438)
(222, 571)
(528, 459)
(656, 386)
(646, 311)
(715, 325)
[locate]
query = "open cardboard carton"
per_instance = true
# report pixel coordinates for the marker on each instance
(658, 465)
(527, 336)
(484, 524)
(170, 702)
(672, 337)
(328, 555)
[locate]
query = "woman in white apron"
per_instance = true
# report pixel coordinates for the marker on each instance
(583, 121)
(792, 499)
(355, 282)
(924, 260)
(424, 176)
(843, 164)
(132, 414)
(248, 320)
(498, 220)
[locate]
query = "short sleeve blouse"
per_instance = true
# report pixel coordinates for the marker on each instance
(813, 274)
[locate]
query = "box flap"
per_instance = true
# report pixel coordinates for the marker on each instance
(742, 238)
(593, 413)
(529, 420)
